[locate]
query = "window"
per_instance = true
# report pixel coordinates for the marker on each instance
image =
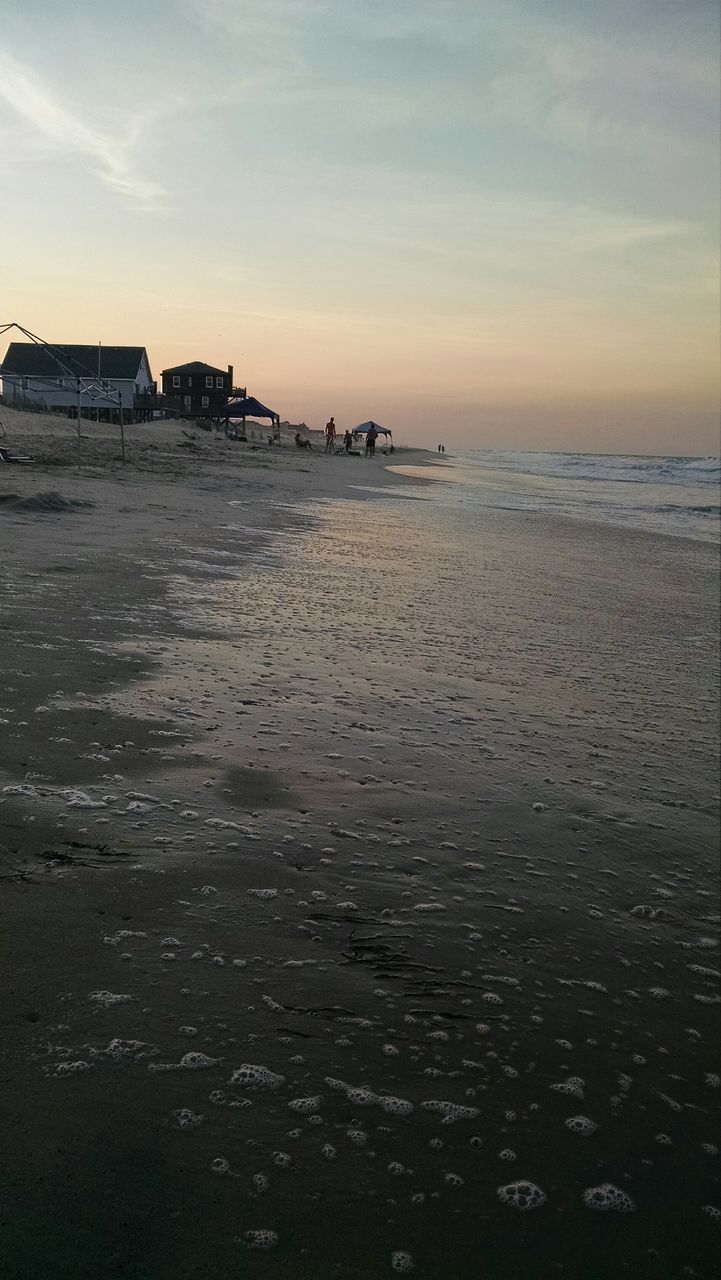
(190, 380)
(209, 380)
(187, 401)
(219, 383)
(205, 401)
(176, 379)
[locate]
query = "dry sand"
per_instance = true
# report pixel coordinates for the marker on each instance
(294, 777)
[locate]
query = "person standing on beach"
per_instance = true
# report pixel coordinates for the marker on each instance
(348, 440)
(329, 435)
(371, 437)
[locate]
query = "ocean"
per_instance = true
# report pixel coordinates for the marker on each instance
(677, 496)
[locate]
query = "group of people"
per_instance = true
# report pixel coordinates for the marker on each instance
(331, 434)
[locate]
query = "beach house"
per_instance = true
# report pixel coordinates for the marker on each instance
(36, 376)
(197, 389)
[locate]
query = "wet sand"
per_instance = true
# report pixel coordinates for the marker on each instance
(416, 817)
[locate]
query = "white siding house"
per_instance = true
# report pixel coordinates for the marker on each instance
(33, 378)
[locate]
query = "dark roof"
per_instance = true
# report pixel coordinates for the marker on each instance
(27, 359)
(195, 366)
(364, 427)
(248, 407)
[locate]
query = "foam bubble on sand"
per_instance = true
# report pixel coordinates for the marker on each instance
(362, 1097)
(106, 999)
(357, 1137)
(265, 895)
(222, 1099)
(23, 789)
(608, 1197)
(262, 1239)
(507, 1154)
(451, 1111)
(711, 1212)
(221, 1167)
(67, 1068)
(282, 1159)
(304, 1106)
(522, 1195)
(572, 1086)
(581, 1125)
(670, 1102)
(429, 906)
(396, 1106)
(80, 799)
(195, 1061)
(402, 1261)
(260, 1183)
(125, 1051)
(254, 1076)
(189, 1062)
(328, 1152)
(187, 1119)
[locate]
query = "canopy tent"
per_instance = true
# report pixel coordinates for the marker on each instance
(366, 426)
(249, 407)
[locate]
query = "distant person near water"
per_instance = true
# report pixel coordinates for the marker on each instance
(348, 440)
(371, 437)
(330, 435)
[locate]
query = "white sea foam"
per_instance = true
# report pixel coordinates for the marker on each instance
(253, 1076)
(522, 1195)
(608, 1197)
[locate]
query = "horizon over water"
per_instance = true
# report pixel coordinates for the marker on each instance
(672, 495)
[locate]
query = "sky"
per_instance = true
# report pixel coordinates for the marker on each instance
(487, 222)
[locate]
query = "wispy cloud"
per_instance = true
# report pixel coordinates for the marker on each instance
(580, 89)
(55, 125)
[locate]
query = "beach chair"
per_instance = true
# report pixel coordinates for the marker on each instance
(7, 457)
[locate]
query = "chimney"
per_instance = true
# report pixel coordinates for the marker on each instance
(230, 377)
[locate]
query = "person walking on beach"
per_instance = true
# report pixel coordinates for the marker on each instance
(371, 437)
(330, 435)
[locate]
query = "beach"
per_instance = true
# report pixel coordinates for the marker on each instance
(359, 873)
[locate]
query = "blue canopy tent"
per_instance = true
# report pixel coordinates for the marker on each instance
(248, 407)
(365, 427)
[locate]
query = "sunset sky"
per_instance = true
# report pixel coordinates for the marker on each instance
(491, 222)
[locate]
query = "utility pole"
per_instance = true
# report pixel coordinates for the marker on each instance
(80, 393)
(122, 429)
